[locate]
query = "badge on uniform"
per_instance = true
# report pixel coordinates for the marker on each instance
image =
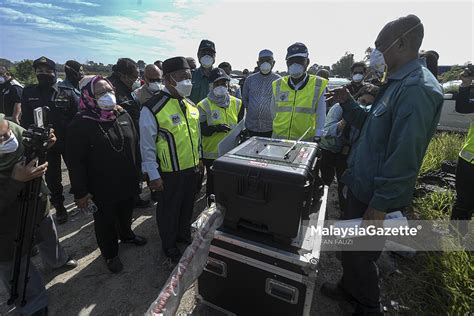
(283, 96)
(176, 119)
(215, 115)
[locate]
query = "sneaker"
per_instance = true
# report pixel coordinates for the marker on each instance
(61, 214)
(114, 264)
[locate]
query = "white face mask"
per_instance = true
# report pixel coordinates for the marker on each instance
(296, 70)
(206, 61)
(265, 68)
(377, 62)
(107, 102)
(155, 86)
(2, 80)
(357, 77)
(10, 145)
(137, 84)
(220, 91)
(366, 107)
(184, 87)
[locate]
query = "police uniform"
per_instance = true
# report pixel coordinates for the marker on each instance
(211, 116)
(63, 104)
(10, 94)
(170, 148)
(299, 109)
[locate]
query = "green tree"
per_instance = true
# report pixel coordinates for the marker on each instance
(452, 74)
(24, 72)
(342, 68)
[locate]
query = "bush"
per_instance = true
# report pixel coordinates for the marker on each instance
(444, 146)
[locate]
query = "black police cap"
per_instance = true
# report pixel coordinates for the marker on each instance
(174, 64)
(218, 74)
(207, 44)
(297, 50)
(44, 61)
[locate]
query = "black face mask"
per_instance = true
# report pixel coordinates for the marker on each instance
(46, 80)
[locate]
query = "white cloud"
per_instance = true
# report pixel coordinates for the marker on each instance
(11, 15)
(39, 5)
(79, 2)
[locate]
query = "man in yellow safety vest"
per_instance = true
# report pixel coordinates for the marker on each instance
(299, 105)
(219, 113)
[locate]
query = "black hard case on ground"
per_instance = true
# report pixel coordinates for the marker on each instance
(244, 277)
(266, 185)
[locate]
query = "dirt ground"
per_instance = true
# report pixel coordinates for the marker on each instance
(91, 289)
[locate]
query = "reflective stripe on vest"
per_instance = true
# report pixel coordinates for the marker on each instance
(178, 140)
(216, 115)
(467, 151)
(296, 110)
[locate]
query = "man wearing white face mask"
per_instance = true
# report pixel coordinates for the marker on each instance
(206, 57)
(170, 145)
(385, 160)
(358, 72)
(299, 105)
(257, 96)
(219, 114)
(153, 83)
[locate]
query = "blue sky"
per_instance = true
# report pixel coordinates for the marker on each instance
(103, 31)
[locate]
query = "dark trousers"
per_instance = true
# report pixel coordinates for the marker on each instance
(210, 176)
(360, 273)
(174, 207)
(334, 164)
(261, 134)
(54, 176)
(464, 205)
(112, 222)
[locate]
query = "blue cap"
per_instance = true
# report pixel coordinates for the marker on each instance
(265, 53)
(297, 50)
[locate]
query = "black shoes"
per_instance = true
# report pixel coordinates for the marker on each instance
(137, 241)
(41, 312)
(114, 264)
(61, 214)
(335, 292)
(173, 254)
(70, 264)
(140, 203)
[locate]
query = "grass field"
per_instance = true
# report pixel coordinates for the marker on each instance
(437, 283)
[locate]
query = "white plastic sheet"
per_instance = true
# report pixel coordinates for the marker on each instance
(190, 266)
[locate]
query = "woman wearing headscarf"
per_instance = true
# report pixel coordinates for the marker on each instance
(102, 142)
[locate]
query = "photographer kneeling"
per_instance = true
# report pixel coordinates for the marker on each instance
(14, 175)
(464, 205)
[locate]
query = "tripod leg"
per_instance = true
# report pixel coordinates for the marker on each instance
(35, 196)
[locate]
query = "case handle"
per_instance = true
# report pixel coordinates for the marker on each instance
(216, 267)
(281, 291)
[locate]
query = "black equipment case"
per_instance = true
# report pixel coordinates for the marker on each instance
(244, 277)
(266, 185)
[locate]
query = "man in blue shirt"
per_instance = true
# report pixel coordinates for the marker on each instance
(385, 161)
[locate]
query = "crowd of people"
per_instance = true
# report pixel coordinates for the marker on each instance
(162, 123)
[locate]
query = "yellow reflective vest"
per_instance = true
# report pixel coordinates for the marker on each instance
(295, 110)
(467, 151)
(216, 115)
(178, 139)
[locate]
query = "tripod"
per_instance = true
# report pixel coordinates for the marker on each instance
(35, 141)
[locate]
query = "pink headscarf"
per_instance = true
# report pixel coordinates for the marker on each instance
(88, 104)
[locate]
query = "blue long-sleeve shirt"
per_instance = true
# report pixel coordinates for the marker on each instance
(385, 160)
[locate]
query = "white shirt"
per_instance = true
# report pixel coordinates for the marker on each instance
(148, 134)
